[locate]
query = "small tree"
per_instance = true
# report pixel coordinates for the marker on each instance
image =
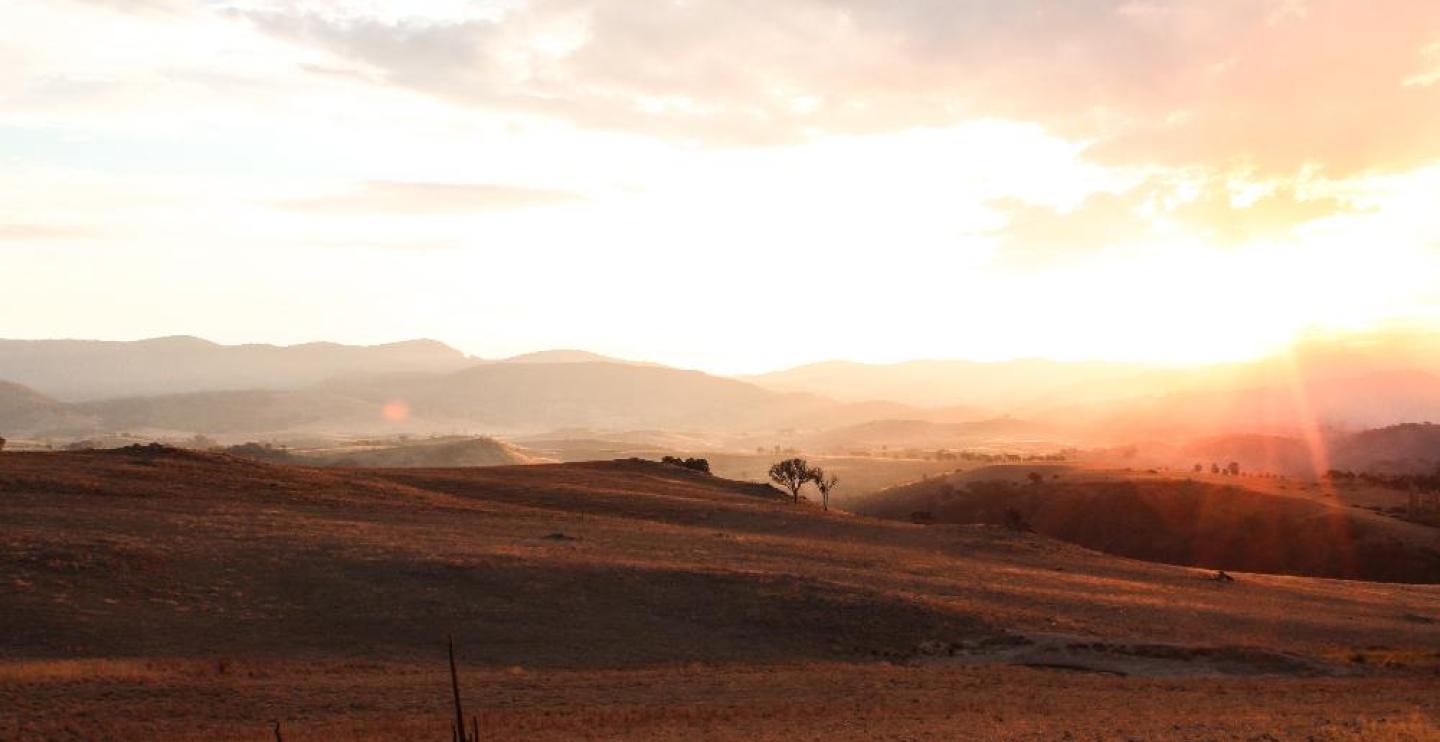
(792, 474)
(824, 482)
(1233, 469)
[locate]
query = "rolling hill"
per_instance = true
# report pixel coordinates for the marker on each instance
(535, 398)
(873, 435)
(1362, 381)
(441, 452)
(513, 398)
(1188, 522)
(154, 593)
(23, 410)
(1412, 448)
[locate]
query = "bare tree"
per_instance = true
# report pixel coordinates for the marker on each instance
(792, 474)
(824, 482)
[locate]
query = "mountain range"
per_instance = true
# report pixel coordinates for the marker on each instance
(183, 385)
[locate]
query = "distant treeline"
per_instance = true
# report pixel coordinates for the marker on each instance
(1414, 482)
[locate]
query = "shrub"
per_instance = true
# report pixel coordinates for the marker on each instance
(1015, 521)
(700, 465)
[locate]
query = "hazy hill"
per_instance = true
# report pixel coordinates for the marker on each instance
(75, 370)
(1354, 382)
(895, 434)
(186, 384)
(996, 387)
(1272, 454)
(442, 452)
(1412, 448)
(539, 397)
(24, 410)
(237, 412)
(514, 398)
(1295, 404)
(567, 356)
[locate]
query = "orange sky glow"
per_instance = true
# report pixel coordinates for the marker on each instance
(734, 185)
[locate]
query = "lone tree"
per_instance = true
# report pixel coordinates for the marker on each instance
(792, 474)
(824, 482)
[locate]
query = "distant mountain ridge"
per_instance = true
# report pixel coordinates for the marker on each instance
(185, 385)
(84, 370)
(490, 398)
(1000, 387)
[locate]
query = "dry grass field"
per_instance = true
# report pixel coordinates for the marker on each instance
(158, 594)
(1319, 529)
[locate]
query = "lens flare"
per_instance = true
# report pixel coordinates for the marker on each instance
(396, 411)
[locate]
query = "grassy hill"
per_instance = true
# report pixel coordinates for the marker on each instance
(440, 452)
(1179, 521)
(165, 594)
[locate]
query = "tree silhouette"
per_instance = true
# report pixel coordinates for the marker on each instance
(824, 482)
(792, 474)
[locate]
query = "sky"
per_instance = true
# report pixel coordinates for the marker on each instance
(733, 185)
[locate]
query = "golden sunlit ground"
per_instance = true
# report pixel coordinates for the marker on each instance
(188, 595)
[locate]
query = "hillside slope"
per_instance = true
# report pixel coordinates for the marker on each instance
(206, 532)
(24, 410)
(1174, 521)
(156, 593)
(1411, 448)
(532, 398)
(441, 452)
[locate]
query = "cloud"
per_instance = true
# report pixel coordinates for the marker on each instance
(431, 198)
(1219, 213)
(1272, 85)
(27, 233)
(141, 6)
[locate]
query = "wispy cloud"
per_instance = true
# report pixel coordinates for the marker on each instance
(34, 233)
(1232, 83)
(431, 198)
